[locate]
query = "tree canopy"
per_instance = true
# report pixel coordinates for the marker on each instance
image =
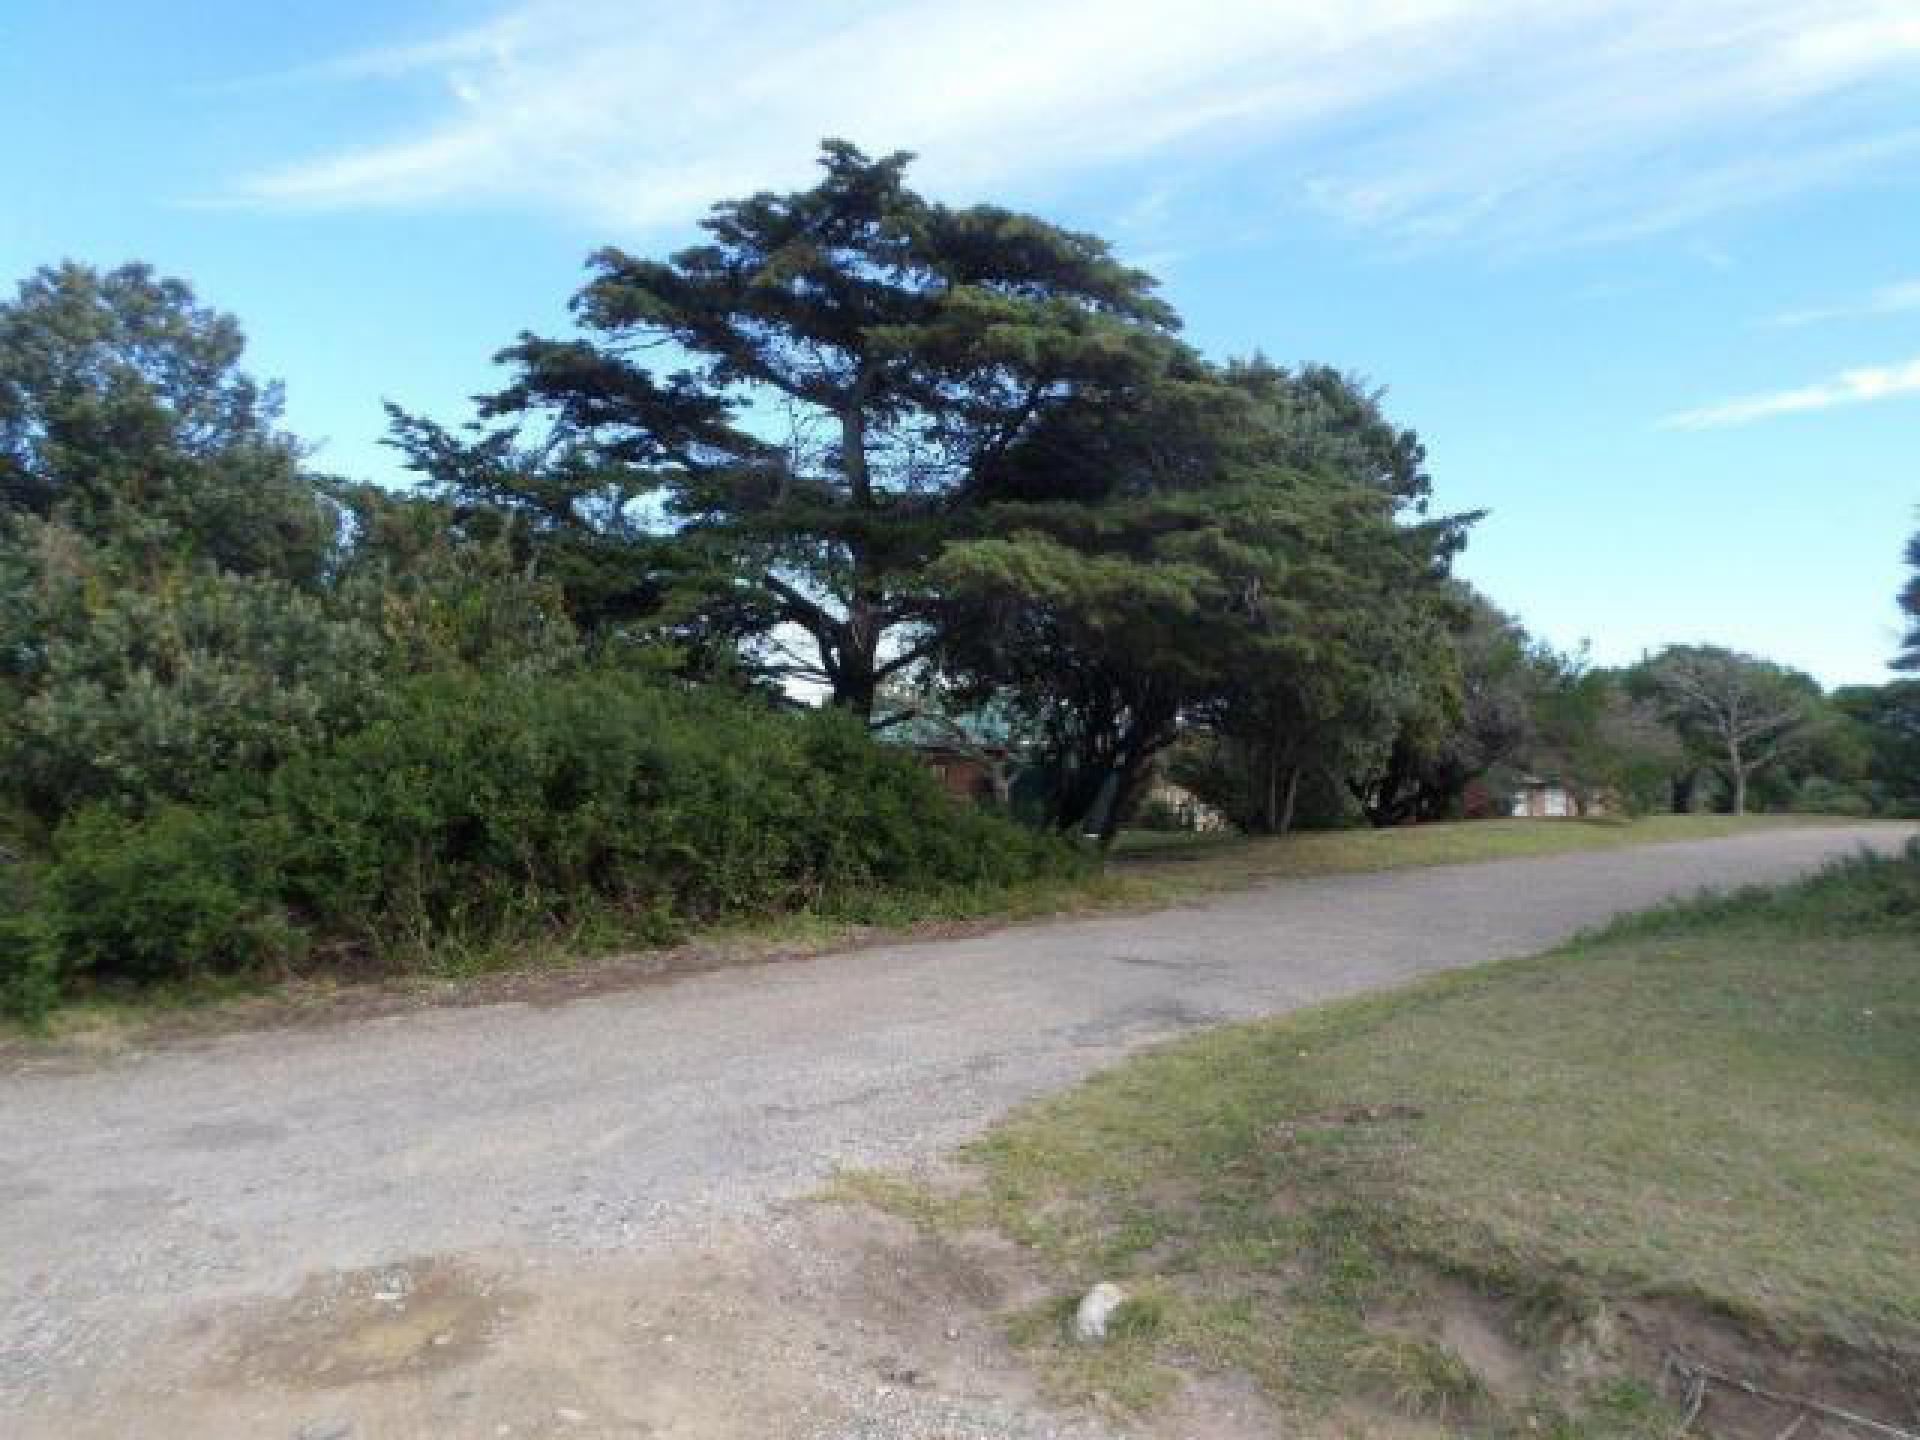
(125, 415)
(807, 402)
(1743, 713)
(1233, 545)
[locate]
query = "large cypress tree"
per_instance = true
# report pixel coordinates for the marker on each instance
(808, 401)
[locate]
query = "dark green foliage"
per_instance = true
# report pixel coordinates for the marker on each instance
(29, 971)
(1885, 722)
(139, 694)
(1819, 795)
(124, 415)
(1457, 703)
(478, 809)
(1238, 550)
(179, 895)
(907, 345)
(164, 625)
(450, 592)
(475, 804)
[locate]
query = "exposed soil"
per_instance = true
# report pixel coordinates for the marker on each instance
(1706, 1365)
(1756, 1387)
(831, 1322)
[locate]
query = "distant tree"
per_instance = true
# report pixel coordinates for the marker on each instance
(1742, 713)
(1886, 720)
(165, 622)
(1320, 679)
(125, 416)
(1592, 733)
(1909, 656)
(851, 359)
(1198, 576)
(1463, 706)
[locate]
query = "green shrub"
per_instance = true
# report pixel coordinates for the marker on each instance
(140, 697)
(1818, 795)
(177, 895)
(473, 810)
(29, 975)
(474, 806)
(1861, 894)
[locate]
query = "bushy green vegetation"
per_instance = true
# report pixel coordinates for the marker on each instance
(472, 809)
(1705, 1111)
(479, 803)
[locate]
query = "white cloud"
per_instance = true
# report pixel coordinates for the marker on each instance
(1849, 387)
(1887, 300)
(1521, 120)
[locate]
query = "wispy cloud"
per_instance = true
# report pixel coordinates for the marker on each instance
(1887, 300)
(1849, 387)
(1528, 121)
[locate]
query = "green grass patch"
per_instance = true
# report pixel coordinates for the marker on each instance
(1709, 1109)
(1240, 858)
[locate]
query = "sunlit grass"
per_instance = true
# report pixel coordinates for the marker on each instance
(1712, 1104)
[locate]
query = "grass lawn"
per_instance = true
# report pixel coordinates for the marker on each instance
(1237, 859)
(1497, 1202)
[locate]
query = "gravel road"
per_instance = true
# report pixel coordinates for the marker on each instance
(139, 1198)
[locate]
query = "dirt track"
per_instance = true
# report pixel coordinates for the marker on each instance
(483, 1221)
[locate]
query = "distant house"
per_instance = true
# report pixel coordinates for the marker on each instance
(967, 771)
(1186, 810)
(1537, 798)
(973, 755)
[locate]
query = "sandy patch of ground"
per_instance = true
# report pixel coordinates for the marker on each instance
(826, 1321)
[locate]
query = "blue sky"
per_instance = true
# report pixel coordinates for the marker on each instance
(1642, 273)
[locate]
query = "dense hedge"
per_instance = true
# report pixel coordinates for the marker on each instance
(476, 809)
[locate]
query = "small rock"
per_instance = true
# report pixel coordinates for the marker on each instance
(568, 1417)
(324, 1430)
(1096, 1309)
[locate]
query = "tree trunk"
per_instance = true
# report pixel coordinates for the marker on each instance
(1739, 791)
(854, 684)
(1125, 790)
(1293, 795)
(1075, 795)
(858, 680)
(1680, 793)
